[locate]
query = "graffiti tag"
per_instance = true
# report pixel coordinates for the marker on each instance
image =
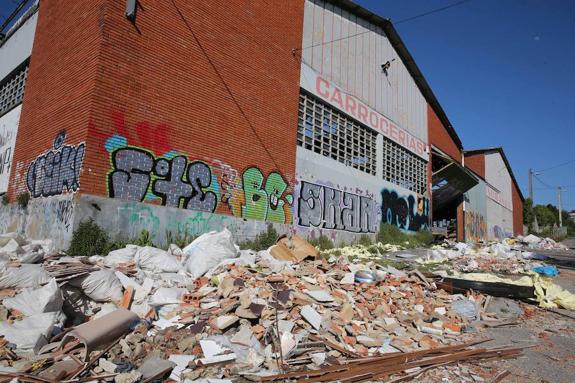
(404, 211)
(57, 170)
(475, 226)
(328, 208)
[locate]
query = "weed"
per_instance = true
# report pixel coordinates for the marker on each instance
(23, 199)
(145, 239)
(392, 235)
(88, 239)
(262, 241)
(5, 199)
(180, 240)
(322, 242)
(364, 240)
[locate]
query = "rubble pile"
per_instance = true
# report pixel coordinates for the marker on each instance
(212, 313)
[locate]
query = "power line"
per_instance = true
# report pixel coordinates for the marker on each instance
(432, 11)
(557, 166)
(399, 22)
(544, 184)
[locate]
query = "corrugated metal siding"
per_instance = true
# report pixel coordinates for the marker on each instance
(354, 63)
(475, 223)
(499, 213)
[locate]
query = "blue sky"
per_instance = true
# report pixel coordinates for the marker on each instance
(503, 71)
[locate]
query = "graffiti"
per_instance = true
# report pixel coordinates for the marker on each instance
(404, 211)
(328, 208)
(475, 226)
(57, 170)
(175, 181)
(5, 160)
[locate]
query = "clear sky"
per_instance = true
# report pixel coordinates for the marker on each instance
(503, 71)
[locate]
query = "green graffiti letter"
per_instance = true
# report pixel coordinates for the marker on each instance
(256, 199)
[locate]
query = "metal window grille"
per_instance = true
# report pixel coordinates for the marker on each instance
(12, 89)
(331, 133)
(404, 168)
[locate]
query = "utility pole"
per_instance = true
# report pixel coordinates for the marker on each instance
(531, 184)
(559, 203)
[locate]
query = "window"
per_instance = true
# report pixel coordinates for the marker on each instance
(404, 168)
(12, 88)
(328, 132)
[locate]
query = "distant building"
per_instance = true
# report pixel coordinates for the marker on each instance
(572, 215)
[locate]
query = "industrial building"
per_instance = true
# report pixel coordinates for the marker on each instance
(183, 117)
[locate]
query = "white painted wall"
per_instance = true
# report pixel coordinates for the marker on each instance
(18, 47)
(499, 196)
(361, 200)
(8, 131)
(355, 64)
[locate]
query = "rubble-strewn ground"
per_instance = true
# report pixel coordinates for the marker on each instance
(211, 314)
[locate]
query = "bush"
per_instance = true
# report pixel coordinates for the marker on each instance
(23, 199)
(144, 239)
(322, 242)
(392, 235)
(89, 239)
(5, 199)
(364, 240)
(262, 241)
(180, 240)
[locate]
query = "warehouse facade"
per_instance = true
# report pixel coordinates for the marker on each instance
(187, 117)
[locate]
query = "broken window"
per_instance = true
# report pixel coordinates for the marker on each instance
(326, 131)
(404, 168)
(12, 88)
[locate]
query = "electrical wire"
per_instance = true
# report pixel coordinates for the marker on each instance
(396, 23)
(556, 166)
(431, 12)
(543, 183)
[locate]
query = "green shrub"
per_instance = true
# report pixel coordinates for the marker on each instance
(23, 199)
(364, 240)
(322, 242)
(392, 235)
(5, 199)
(424, 238)
(180, 240)
(145, 239)
(89, 239)
(262, 241)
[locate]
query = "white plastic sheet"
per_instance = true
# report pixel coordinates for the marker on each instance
(37, 301)
(208, 250)
(32, 332)
(156, 260)
(24, 276)
(166, 296)
(101, 286)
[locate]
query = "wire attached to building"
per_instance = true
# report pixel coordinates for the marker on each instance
(228, 90)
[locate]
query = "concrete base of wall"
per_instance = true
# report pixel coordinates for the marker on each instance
(57, 217)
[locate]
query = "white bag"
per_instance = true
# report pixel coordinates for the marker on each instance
(157, 260)
(166, 296)
(208, 250)
(37, 301)
(24, 276)
(125, 255)
(32, 332)
(101, 286)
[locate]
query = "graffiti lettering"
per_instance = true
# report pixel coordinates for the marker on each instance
(322, 206)
(5, 160)
(264, 201)
(56, 171)
(475, 226)
(133, 170)
(403, 212)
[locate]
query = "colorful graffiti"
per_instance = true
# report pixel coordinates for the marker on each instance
(172, 179)
(8, 131)
(57, 170)
(329, 208)
(407, 212)
(475, 226)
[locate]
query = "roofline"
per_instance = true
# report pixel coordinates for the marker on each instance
(499, 150)
(407, 60)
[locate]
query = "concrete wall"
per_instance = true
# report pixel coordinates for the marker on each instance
(341, 202)
(475, 217)
(499, 197)
(8, 132)
(355, 64)
(18, 46)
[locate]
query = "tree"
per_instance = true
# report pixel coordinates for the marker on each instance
(528, 214)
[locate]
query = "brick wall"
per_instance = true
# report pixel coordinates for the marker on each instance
(517, 211)
(476, 163)
(58, 93)
(214, 82)
(440, 138)
(193, 105)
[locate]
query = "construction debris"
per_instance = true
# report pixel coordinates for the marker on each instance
(212, 313)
